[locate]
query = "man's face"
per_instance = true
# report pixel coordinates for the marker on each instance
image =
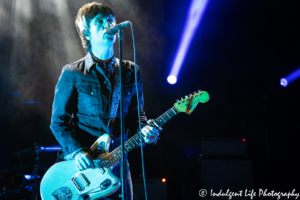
(98, 28)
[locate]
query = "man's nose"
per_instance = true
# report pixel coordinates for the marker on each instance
(106, 23)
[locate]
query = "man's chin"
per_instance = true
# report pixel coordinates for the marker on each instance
(109, 36)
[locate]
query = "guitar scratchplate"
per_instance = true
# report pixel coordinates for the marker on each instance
(62, 193)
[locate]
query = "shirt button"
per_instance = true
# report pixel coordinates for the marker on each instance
(92, 92)
(128, 93)
(105, 82)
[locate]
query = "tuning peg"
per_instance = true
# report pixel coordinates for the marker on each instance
(181, 98)
(190, 95)
(195, 92)
(186, 96)
(199, 90)
(177, 100)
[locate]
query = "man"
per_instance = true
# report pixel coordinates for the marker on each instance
(88, 88)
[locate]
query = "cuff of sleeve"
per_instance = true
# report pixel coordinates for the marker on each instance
(69, 149)
(71, 156)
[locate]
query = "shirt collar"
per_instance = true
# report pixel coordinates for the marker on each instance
(89, 62)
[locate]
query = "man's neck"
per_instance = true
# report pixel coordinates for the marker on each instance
(104, 53)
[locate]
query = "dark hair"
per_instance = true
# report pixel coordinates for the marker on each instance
(84, 17)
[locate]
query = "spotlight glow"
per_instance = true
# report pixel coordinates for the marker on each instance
(30, 177)
(172, 79)
(290, 78)
(283, 82)
(194, 17)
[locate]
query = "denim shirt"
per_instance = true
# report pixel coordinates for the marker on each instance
(81, 107)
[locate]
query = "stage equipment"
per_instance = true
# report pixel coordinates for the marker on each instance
(35, 175)
(290, 78)
(222, 163)
(63, 181)
(156, 189)
(112, 30)
(40, 149)
(194, 17)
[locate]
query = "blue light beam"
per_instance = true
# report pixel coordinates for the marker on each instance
(194, 17)
(290, 78)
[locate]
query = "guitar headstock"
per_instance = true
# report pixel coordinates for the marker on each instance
(189, 103)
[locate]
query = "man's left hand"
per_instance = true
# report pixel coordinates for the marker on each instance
(150, 134)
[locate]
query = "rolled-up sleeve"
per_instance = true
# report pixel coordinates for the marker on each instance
(63, 106)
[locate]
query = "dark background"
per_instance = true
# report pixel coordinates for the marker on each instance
(239, 53)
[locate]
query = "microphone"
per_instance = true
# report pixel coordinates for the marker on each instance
(114, 29)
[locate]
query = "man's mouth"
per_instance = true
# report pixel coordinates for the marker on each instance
(109, 35)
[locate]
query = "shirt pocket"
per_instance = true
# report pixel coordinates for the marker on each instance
(89, 97)
(129, 90)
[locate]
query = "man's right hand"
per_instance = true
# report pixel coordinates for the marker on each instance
(83, 161)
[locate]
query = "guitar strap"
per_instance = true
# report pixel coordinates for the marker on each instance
(115, 96)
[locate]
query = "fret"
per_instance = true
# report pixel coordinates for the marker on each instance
(161, 120)
(173, 110)
(135, 140)
(130, 143)
(168, 115)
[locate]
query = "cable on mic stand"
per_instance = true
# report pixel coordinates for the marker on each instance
(113, 30)
(139, 117)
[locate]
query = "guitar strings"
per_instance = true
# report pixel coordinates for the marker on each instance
(109, 159)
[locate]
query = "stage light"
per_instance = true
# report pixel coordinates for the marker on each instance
(30, 102)
(14, 93)
(30, 177)
(195, 14)
(172, 79)
(244, 140)
(163, 180)
(290, 78)
(283, 82)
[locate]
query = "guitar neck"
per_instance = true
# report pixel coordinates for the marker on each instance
(134, 141)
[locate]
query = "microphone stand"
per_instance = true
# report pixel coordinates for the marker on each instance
(122, 125)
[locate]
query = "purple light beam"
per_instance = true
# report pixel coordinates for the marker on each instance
(290, 78)
(194, 17)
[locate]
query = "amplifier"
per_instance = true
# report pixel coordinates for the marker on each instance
(157, 190)
(223, 147)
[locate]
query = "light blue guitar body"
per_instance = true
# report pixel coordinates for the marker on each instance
(63, 182)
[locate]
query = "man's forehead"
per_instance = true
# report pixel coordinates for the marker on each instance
(100, 16)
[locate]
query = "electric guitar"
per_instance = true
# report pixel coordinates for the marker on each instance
(63, 182)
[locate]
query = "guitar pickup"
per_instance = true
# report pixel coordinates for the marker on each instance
(78, 184)
(85, 179)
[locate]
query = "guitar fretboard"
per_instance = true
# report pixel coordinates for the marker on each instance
(134, 141)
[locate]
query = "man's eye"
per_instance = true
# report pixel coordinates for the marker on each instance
(111, 21)
(100, 21)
